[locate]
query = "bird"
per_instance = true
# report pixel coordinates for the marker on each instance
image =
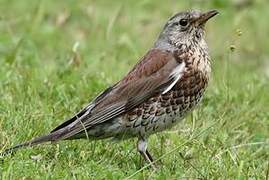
(158, 92)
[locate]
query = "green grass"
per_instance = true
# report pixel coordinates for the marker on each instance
(43, 82)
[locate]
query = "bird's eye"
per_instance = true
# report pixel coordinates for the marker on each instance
(183, 22)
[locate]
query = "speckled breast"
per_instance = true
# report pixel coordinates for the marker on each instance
(164, 110)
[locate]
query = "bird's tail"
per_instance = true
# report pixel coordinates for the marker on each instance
(54, 136)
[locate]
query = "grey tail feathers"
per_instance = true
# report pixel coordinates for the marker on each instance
(39, 140)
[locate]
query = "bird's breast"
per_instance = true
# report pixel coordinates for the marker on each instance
(164, 110)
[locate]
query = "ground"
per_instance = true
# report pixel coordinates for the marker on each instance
(55, 56)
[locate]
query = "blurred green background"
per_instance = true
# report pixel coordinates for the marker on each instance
(55, 56)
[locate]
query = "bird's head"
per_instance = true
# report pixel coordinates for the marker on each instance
(186, 27)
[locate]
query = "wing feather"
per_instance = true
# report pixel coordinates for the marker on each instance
(138, 86)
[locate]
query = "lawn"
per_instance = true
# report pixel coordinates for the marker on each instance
(55, 56)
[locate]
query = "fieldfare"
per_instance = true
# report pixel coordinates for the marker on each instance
(166, 84)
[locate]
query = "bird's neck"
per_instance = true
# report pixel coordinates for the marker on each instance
(164, 44)
(171, 43)
(201, 58)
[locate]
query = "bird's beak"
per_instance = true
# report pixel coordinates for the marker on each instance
(204, 17)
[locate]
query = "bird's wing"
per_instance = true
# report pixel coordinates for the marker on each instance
(157, 72)
(147, 66)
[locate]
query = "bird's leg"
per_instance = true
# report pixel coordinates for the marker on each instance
(142, 149)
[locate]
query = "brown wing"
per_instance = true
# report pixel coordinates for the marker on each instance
(153, 61)
(150, 76)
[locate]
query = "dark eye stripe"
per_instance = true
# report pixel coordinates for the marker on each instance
(182, 22)
(175, 24)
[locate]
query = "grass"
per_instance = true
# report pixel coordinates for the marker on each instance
(44, 80)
